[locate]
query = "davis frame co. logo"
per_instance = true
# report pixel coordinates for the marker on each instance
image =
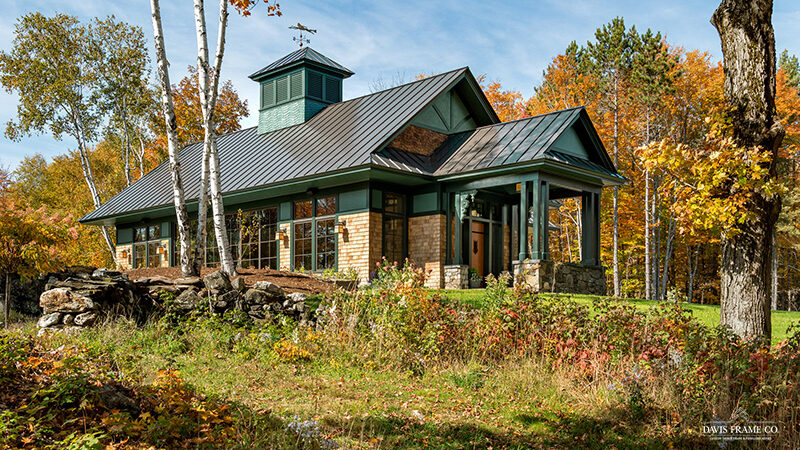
(739, 428)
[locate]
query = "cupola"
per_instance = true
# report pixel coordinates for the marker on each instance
(296, 87)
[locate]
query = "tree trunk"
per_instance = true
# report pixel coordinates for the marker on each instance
(667, 256)
(168, 109)
(774, 278)
(748, 48)
(647, 279)
(7, 302)
(615, 201)
(208, 85)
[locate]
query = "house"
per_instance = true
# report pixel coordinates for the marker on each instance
(424, 171)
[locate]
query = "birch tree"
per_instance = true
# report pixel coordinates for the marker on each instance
(168, 112)
(49, 68)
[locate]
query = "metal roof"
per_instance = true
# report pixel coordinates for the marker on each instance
(341, 136)
(499, 145)
(299, 56)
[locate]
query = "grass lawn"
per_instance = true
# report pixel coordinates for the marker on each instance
(707, 314)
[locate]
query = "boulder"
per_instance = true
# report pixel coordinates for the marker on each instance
(158, 279)
(105, 273)
(270, 288)
(69, 319)
(229, 297)
(239, 284)
(188, 300)
(257, 297)
(114, 397)
(217, 281)
(65, 300)
(86, 319)
(48, 320)
(297, 297)
(188, 280)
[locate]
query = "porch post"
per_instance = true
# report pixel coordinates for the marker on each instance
(537, 216)
(590, 222)
(459, 214)
(545, 222)
(448, 227)
(522, 230)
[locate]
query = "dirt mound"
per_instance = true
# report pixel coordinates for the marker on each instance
(289, 281)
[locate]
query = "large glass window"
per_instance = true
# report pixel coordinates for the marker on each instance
(393, 226)
(314, 234)
(302, 246)
(251, 237)
(148, 249)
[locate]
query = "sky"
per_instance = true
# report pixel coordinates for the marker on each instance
(511, 41)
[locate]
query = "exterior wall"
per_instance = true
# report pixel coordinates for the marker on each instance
(426, 246)
(360, 247)
(456, 277)
(285, 247)
(124, 263)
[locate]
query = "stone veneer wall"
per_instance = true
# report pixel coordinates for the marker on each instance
(549, 276)
(426, 246)
(506, 247)
(360, 247)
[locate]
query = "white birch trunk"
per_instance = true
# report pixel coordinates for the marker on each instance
(168, 110)
(774, 271)
(615, 202)
(208, 85)
(647, 280)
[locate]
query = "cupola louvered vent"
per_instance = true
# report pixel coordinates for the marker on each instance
(315, 85)
(296, 87)
(333, 89)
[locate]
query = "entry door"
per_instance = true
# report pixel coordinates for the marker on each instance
(477, 251)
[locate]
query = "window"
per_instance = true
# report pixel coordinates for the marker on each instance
(393, 226)
(251, 237)
(282, 88)
(315, 84)
(267, 93)
(314, 234)
(149, 250)
(302, 246)
(332, 87)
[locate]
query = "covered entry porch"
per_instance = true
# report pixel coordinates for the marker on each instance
(502, 223)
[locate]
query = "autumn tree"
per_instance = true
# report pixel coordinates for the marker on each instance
(610, 58)
(30, 239)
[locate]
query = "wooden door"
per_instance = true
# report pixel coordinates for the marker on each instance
(477, 250)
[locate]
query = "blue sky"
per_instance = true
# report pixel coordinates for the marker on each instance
(512, 41)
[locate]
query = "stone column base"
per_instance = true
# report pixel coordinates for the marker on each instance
(456, 277)
(548, 276)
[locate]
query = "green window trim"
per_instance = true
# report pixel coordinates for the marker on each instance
(314, 238)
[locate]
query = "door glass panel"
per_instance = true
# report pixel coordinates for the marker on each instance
(302, 246)
(326, 244)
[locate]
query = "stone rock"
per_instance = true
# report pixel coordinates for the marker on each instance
(188, 300)
(188, 280)
(257, 297)
(112, 396)
(48, 320)
(300, 306)
(270, 288)
(229, 297)
(86, 319)
(68, 320)
(105, 273)
(65, 300)
(217, 281)
(239, 284)
(203, 293)
(297, 297)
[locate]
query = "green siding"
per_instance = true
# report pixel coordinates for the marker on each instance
(447, 114)
(354, 200)
(570, 142)
(285, 211)
(377, 199)
(124, 235)
(425, 203)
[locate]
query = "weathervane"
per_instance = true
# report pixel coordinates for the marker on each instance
(302, 39)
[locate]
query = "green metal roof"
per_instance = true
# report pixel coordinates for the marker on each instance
(305, 55)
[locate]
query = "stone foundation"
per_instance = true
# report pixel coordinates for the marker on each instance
(549, 276)
(456, 277)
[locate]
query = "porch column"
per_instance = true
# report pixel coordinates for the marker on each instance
(590, 222)
(524, 213)
(448, 226)
(544, 222)
(459, 215)
(537, 216)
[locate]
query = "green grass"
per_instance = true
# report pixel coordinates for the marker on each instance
(706, 314)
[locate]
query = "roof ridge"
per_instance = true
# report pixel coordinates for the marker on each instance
(405, 84)
(534, 117)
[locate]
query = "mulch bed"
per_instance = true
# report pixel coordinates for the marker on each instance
(289, 281)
